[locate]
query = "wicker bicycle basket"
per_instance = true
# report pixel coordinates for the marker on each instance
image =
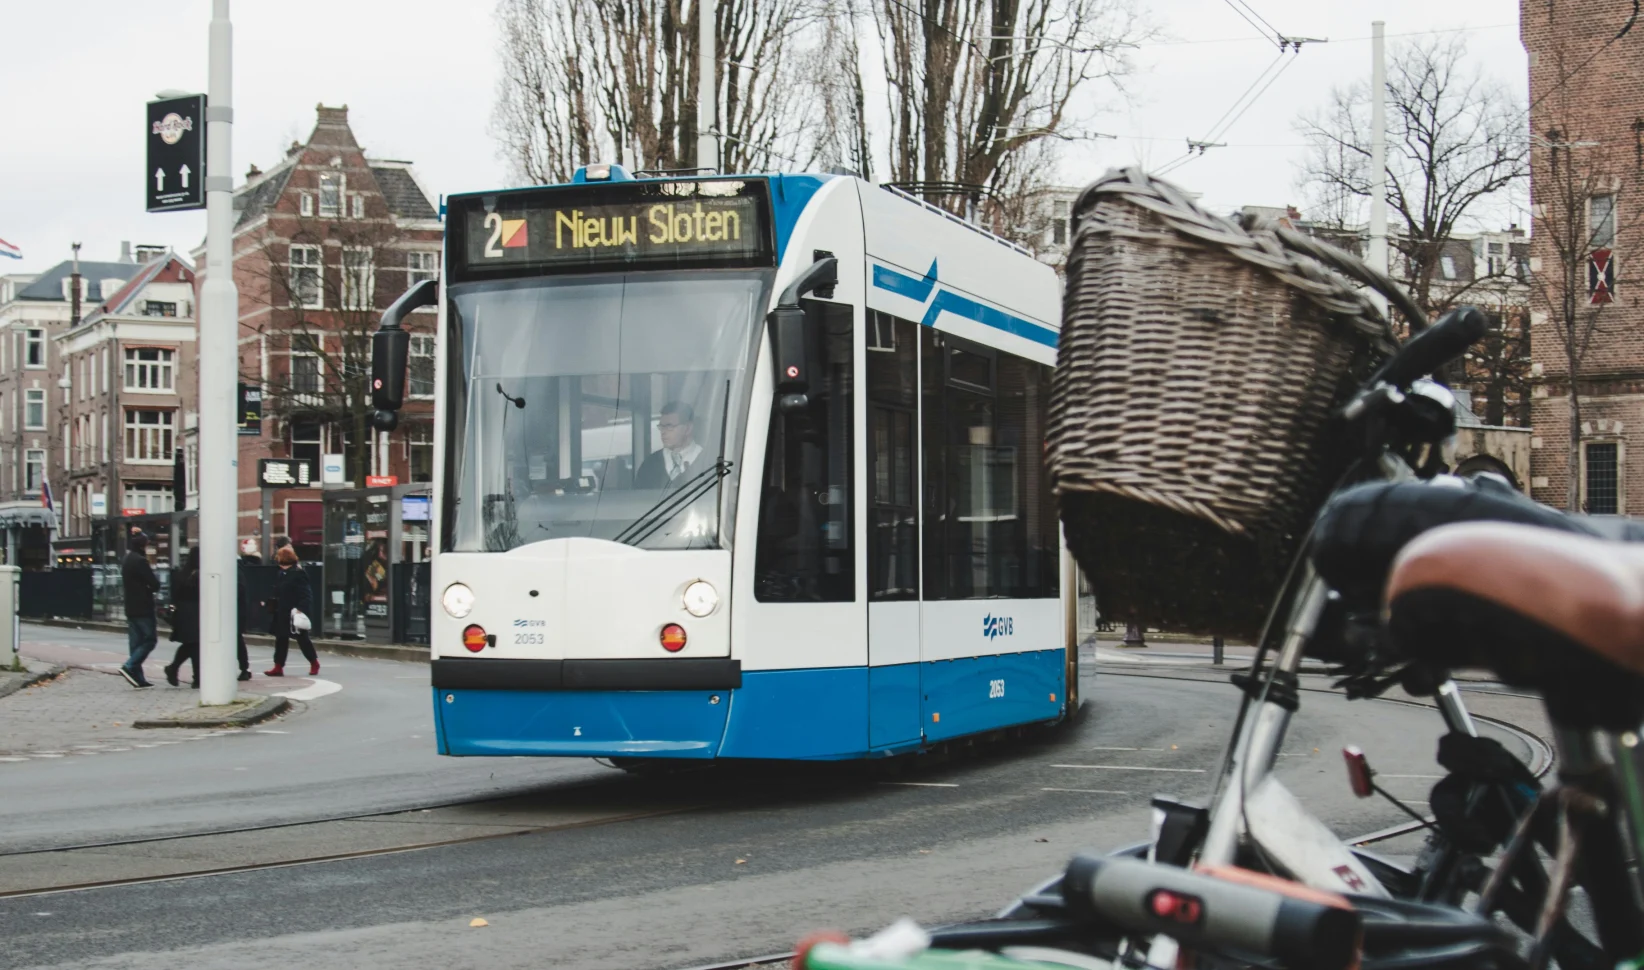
(1190, 433)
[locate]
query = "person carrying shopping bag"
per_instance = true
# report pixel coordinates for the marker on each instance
(185, 624)
(293, 607)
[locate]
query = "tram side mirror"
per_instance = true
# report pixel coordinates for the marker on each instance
(391, 353)
(791, 346)
(793, 362)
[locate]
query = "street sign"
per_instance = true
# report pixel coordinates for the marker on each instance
(251, 409)
(175, 169)
(331, 469)
(99, 504)
(284, 473)
(381, 481)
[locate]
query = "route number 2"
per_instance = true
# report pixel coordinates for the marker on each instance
(996, 688)
(493, 222)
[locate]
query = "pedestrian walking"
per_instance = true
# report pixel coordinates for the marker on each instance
(185, 621)
(140, 584)
(242, 602)
(292, 592)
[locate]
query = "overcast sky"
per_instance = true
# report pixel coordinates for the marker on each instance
(419, 80)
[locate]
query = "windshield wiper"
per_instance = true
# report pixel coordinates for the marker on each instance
(673, 503)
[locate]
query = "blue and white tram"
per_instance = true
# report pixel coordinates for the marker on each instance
(738, 467)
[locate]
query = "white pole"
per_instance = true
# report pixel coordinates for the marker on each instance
(219, 366)
(1378, 153)
(707, 98)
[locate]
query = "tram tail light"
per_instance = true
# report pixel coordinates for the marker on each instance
(474, 638)
(673, 638)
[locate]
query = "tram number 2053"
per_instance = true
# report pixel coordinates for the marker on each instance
(996, 688)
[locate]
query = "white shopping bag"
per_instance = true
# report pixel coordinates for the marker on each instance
(299, 620)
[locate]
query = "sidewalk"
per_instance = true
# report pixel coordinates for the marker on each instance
(80, 705)
(342, 648)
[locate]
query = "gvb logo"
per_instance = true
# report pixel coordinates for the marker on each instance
(998, 626)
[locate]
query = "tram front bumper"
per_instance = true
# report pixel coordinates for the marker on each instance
(587, 724)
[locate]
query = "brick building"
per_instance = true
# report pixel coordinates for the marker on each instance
(36, 309)
(129, 383)
(323, 242)
(1587, 170)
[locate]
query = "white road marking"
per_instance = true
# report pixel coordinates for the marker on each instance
(319, 688)
(1192, 771)
(1428, 777)
(922, 784)
(1089, 791)
(270, 731)
(13, 759)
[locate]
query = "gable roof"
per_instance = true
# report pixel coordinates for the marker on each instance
(255, 198)
(122, 300)
(49, 285)
(400, 189)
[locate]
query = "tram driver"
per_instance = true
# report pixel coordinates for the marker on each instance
(680, 458)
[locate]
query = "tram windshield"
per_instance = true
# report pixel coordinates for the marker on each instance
(608, 407)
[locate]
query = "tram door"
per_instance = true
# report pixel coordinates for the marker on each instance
(891, 408)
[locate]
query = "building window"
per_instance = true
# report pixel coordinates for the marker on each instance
(359, 278)
(305, 204)
(156, 308)
(34, 409)
(357, 205)
(305, 277)
(421, 266)
(106, 435)
(149, 497)
(305, 444)
(148, 436)
(330, 195)
(305, 374)
(34, 347)
(1447, 267)
(419, 452)
(63, 435)
(1601, 221)
(1060, 215)
(34, 469)
(148, 369)
(422, 365)
(1603, 482)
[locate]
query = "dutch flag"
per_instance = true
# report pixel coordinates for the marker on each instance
(7, 249)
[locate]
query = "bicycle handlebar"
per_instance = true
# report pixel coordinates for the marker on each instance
(1209, 913)
(1434, 347)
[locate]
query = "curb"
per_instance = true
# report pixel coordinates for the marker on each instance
(261, 711)
(30, 680)
(341, 648)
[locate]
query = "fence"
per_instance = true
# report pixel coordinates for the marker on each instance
(56, 592)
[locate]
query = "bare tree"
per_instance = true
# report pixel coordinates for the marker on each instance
(975, 85)
(1454, 140)
(590, 80)
(320, 287)
(1579, 214)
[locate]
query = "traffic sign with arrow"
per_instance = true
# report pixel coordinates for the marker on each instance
(176, 136)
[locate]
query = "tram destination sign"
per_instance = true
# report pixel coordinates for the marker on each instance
(642, 224)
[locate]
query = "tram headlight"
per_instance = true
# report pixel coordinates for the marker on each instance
(700, 598)
(458, 600)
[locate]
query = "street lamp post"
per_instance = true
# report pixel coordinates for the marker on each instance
(219, 368)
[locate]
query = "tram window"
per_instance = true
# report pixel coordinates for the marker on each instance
(893, 541)
(990, 518)
(806, 552)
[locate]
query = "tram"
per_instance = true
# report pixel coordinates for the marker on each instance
(737, 467)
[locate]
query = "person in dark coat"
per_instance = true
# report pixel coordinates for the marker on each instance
(185, 625)
(291, 592)
(140, 584)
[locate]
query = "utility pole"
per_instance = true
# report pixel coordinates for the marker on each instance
(219, 369)
(707, 97)
(1378, 154)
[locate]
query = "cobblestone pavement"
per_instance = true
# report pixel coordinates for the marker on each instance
(88, 712)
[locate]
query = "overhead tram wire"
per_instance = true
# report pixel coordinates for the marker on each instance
(1231, 116)
(1240, 7)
